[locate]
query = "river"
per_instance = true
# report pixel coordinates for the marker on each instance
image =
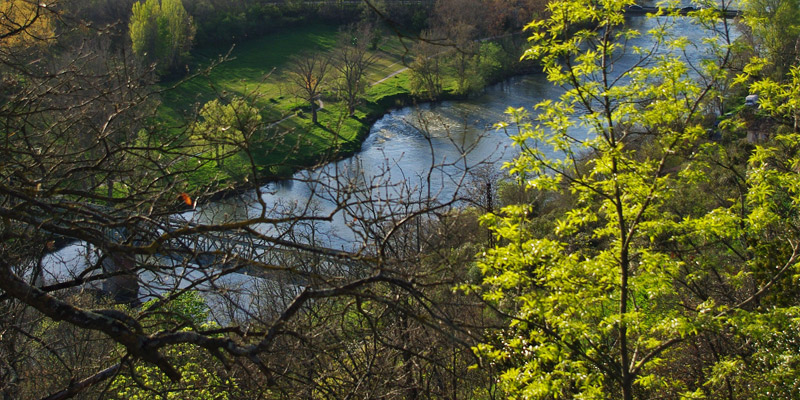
(414, 157)
(422, 153)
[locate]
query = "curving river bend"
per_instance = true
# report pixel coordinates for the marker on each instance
(412, 156)
(425, 150)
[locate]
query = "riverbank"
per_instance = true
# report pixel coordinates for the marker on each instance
(291, 142)
(366, 117)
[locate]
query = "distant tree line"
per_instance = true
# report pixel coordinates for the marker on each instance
(161, 31)
(227, 21)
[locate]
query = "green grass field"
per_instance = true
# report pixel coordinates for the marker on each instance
(253, 69)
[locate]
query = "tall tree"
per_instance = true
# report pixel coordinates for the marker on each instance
(226, 129)
(309, 73)
(143, 28)
(776, 31)
(631, 286)
(162, 32)
(426, 73)
(352, 60)
(179, 33)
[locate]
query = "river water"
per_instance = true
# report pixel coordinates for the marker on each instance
(423, 154)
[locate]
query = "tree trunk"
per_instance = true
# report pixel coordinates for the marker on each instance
(627, 386)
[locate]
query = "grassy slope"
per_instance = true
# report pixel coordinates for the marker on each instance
(256, 69)
(253, 67)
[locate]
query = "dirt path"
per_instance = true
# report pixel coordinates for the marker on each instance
(387, 77)
(399, 71)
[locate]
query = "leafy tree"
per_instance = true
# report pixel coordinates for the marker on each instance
(635, 287)
(475, 65)
(780, 100)
(489, 63)
(227, 130)
(179, 32)
(143, 28)
(464, 59)
(426, 74)
(161, 31)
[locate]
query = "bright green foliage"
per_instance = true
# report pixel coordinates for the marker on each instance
(143, 27)
(161, 31)
(621, 299)
(776, 28)
(489, 62)
(226, 130)
(201, 377)
(426, 73)
(472, 71)
(186, 309)
(774, 339)
(780, 100)
(178, 31)
(198, 383)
